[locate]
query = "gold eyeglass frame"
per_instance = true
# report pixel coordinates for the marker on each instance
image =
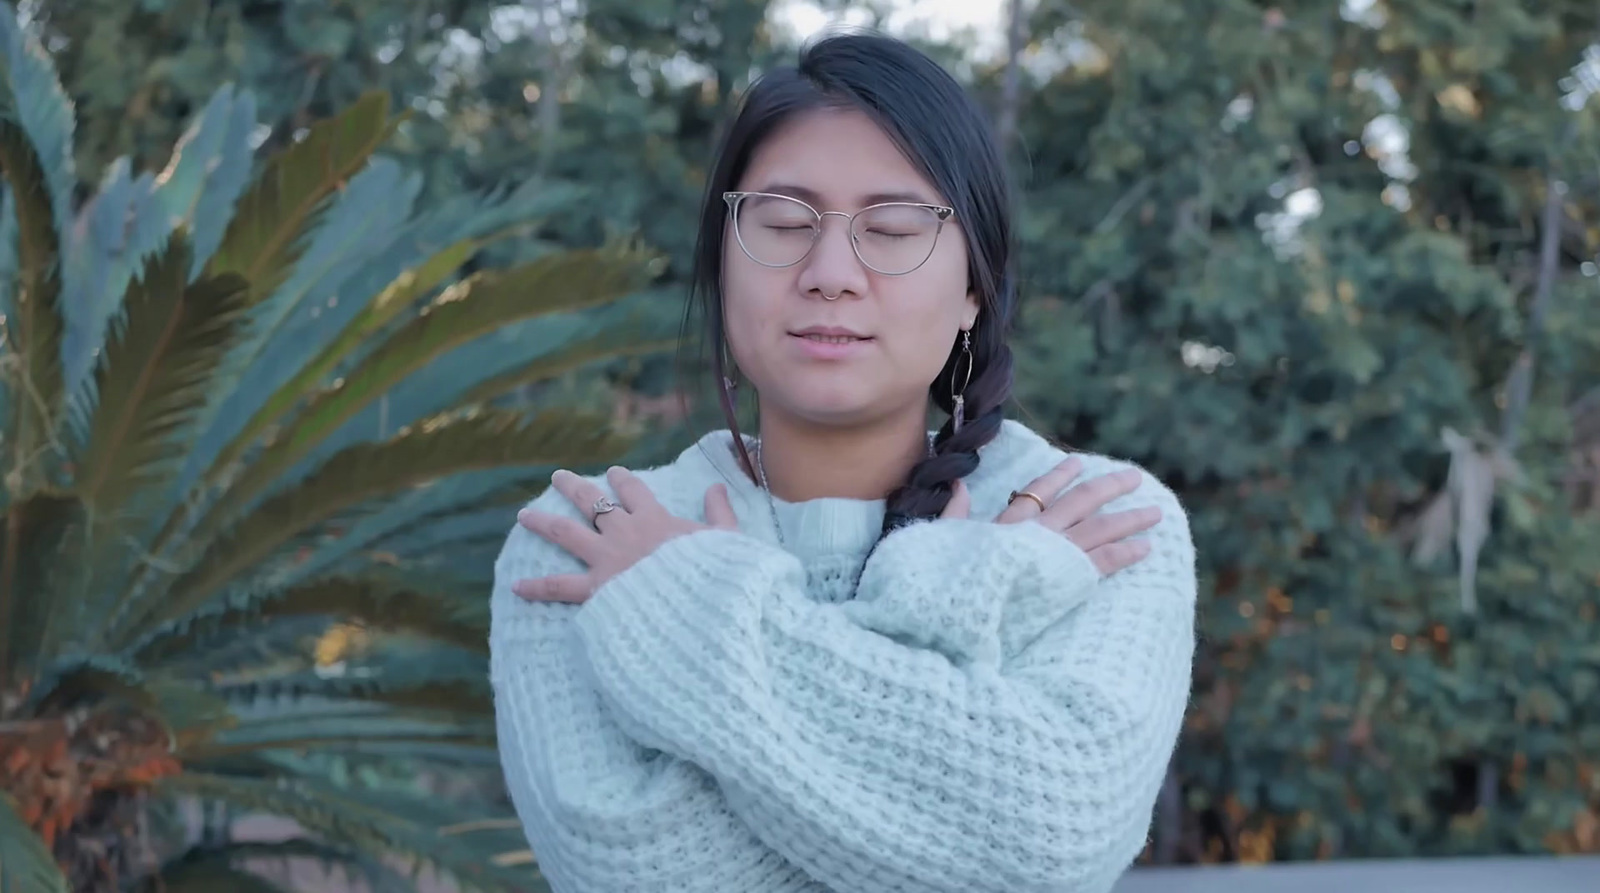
(733, 199)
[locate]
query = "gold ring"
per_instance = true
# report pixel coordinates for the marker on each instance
(1032, 496)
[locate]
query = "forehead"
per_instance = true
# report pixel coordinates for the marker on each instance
(837, 159)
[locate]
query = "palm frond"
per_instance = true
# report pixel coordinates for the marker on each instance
(484, 217)
(566, 281)
(117, 230)
(26, 865)
(211, 877)
(190, 870)
(371, 821)
(288, 726)
(411, 605)
(263, 238)
(34, 533)
(129, 219)
(35, 99)
(209, 170)
(153, 379)
(397, 298)
(361, 545)
(613, 344)
(428, 451)
(32, 335)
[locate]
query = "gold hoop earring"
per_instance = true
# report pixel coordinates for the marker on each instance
(958, 396)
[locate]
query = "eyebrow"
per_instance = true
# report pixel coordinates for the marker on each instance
(811, 196)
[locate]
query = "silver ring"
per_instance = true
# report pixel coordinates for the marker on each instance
(828, 297)
(604, 504)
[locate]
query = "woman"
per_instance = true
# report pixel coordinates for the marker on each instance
(845, 655)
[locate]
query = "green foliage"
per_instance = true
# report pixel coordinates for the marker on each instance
(1291, 377)
(212, 562)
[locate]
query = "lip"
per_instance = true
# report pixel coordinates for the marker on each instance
(829, 350)
(829, 332)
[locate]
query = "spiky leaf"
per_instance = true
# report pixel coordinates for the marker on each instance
(34, 98)
(33, 534)
(410, 605)
(391, 302)
(210, 877)
(263, 238)
(32, 336)
(413, 829)
(428, 451)
(154, 377)
(562, 282)
(26, 865)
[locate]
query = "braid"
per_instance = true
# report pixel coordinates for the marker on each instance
(931, 481)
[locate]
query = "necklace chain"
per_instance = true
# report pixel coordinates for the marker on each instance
(772, 504)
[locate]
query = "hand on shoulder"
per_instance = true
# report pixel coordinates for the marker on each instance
(1075, 510)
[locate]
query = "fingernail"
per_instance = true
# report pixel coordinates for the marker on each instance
(524, 515)
(558, 473)
(521, 589)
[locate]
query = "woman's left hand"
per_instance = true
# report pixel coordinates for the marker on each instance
(617, 537)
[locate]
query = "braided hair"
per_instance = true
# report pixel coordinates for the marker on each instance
(944, 133)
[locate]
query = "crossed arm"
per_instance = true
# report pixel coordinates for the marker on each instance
(988, 714)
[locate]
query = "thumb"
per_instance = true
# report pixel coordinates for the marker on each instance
(719, 510)
(960, 501)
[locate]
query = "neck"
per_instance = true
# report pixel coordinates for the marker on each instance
(806, 461)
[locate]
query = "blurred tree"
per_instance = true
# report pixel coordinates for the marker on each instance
(1288, 256)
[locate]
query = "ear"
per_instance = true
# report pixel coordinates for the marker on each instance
(969, 313)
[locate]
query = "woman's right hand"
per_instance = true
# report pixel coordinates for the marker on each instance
(1074, 512)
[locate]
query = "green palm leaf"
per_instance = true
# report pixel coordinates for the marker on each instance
(399, 296)
(32, 335)
(197, 871)
(155, 374)
(432, 449)
(412, 605)
(562, 282)
(210, 877)
(359, 819)
(612, 344)
(35, 533)
(262, 240)
(26, 865)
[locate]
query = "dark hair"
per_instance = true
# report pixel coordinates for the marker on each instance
(944, 133)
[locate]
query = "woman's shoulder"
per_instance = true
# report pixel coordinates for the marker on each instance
(1019, 454)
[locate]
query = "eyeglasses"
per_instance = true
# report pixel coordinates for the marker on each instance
(893, 238)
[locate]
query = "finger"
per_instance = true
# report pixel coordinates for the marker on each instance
(719, 509)
(632, 491)
(1046, 486)
(960, 504)
(1101, 529)
(582, 493)
(1113, 557)
(569, 534)
(569, 589)
(1089, 497)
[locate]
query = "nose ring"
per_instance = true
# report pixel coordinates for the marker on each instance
(828, 297)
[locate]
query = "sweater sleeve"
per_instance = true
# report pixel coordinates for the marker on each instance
(599, 811)
(858, 741)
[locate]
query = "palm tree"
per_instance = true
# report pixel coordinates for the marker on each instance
(255, 462)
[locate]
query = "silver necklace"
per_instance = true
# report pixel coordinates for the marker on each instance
(772, 504)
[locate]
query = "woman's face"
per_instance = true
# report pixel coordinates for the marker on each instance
(871, 352)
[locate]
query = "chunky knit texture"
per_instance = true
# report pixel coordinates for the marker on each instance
(987, 713)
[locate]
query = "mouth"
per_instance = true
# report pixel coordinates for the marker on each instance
(830, 335)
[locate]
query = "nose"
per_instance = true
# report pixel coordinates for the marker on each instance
(832, 268)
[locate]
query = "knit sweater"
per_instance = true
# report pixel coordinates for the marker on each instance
(974, 709)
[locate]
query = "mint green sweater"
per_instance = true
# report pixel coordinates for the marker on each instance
(987, 713)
